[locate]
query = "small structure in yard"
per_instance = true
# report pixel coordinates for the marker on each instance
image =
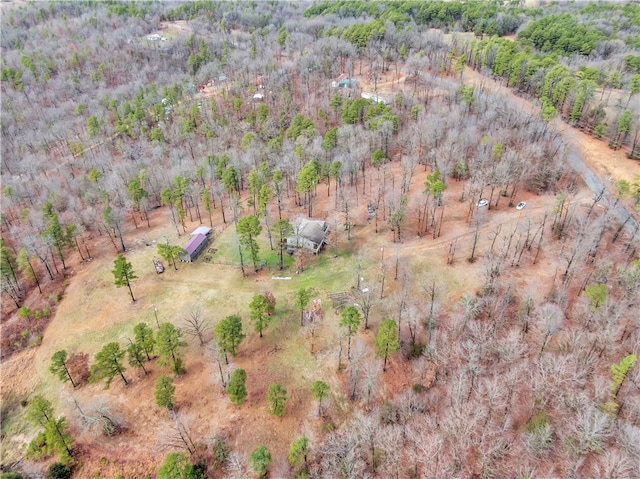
(340, 300)
(376, 98)
(198, 241)
(155, 37)
(313, 314)
(344, 82)
(308, 234)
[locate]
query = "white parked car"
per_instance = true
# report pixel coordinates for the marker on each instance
(521, 205)
(483, 203)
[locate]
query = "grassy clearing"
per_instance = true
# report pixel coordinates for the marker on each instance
(227, 245)
(325, 273)
(328, 274)
(96, 312)
(296, 359)
(227, 251)
(13, 428)
(272, 259)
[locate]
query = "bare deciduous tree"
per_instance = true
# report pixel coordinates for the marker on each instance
(549, 317)
(197, 326)
(422, 431)
(218, 353)
(98, 417)
(236, 466)
(340, 455)
(179, 434)
(613, 464)
(365, 299)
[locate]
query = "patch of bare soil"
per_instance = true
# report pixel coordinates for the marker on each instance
(175, 28)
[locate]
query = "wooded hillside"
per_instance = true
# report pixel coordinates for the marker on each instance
(441, 332)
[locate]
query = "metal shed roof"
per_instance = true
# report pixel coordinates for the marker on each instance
(201, 230)
(195, 242)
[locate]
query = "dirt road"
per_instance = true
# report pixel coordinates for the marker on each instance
(598, 165)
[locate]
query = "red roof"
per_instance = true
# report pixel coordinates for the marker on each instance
(194, 243)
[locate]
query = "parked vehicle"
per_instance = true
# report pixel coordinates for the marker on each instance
(483, 203)
(158, 265)
(521, 205)
(371, 210)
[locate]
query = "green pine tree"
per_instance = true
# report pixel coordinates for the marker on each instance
(59, 367)
(387, 341)
(236, 389)
(165, 392)
(108, 364)
(123, 274)
(277, 399)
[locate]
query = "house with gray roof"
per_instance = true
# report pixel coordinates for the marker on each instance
(309, 234)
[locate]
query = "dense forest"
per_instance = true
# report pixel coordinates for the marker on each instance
(121, 116)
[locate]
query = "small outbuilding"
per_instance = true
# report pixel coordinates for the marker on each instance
(197, 242)
(155, 37)
(308, 234)
(344, 82)
(201, 230)
(376, 98)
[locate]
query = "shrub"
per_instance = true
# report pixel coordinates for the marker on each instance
(277, 399)
(388, 413)
(53, 298)
(539, 434)
(327, 427)
(416, 350)
(177, 465)
(220, 451)
(537, 422)
(600, 130)
(177, 367)
(57, 470)
(165, 392)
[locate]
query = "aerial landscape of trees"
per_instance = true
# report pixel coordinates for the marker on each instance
(439, 331)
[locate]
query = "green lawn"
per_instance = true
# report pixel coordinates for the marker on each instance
(227, 252)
